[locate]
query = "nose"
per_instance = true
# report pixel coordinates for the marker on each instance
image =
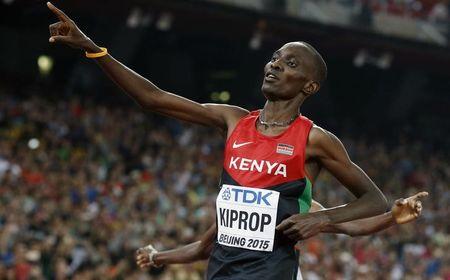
(276, 65)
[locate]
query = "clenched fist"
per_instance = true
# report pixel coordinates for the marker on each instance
(144, 257)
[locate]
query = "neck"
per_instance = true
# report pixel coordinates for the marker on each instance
(282, 110)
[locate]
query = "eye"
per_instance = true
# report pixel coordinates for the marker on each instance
(273, 59)
(291, 64)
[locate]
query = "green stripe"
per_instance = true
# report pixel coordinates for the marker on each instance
(304, 201)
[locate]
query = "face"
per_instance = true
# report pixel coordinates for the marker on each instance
(287, 74)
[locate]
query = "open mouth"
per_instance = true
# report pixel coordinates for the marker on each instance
(270, 77)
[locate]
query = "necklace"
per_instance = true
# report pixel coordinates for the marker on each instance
(262, 121)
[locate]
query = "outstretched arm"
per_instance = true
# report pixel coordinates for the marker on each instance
(362, 226)
(199, 250)
(403, 211)
(143, 91)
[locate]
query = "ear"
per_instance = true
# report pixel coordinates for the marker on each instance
(311, 87)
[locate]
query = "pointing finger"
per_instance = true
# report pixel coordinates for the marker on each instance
(60, 14)
(420, 195)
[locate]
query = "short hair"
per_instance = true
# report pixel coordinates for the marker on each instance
(321, 69)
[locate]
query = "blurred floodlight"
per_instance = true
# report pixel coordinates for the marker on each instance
(8, 2)
(215, 96)
(384, 61)
(134, 18)
(224, 96)
(257, 37)
(45, 64)
(33, 143)
(138, 17)
(255, 41)
(164, 22)
(360, 58)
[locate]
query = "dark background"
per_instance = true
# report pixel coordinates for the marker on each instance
(207, 50)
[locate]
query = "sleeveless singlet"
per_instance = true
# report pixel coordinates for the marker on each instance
(263, 182)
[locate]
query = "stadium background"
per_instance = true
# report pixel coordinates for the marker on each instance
(86, 177)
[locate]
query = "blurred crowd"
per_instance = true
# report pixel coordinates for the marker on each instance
(83, 185)
(436, 12)
(425, 9)
(424, 20)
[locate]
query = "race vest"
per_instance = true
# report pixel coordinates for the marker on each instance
(263, 183)
(246, 217)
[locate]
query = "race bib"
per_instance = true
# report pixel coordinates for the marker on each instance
(246, 217)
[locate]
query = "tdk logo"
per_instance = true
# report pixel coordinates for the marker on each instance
(248, 196)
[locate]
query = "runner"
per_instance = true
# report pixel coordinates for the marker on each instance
(272, 158)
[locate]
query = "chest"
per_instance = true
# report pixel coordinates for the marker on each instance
(257, 159)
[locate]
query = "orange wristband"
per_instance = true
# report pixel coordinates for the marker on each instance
(97, 55)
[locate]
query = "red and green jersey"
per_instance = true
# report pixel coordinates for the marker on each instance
(263, 182)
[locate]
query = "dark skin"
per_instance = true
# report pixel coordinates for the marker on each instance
(290, 78)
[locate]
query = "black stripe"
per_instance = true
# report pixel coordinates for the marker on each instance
(288, 189)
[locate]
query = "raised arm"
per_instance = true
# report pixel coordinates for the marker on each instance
(326, 149)
(144, 92)
(403, 211)
(199, 250)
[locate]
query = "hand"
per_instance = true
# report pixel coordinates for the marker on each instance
(302, 226)
(67, 32)
(406, 210)
(145, 256)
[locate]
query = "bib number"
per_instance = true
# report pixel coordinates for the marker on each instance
(246, 217)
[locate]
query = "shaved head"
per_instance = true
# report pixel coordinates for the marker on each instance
(321, 70)
(318, 66)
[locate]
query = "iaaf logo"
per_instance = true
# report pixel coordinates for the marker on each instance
(226, 195)
(246, 196)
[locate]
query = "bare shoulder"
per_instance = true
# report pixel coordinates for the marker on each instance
(230, 114)
(228, 111)
(319, 136)
(322, 141)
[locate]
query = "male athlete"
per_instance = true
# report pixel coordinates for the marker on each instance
(403, 211)
(272, 157)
